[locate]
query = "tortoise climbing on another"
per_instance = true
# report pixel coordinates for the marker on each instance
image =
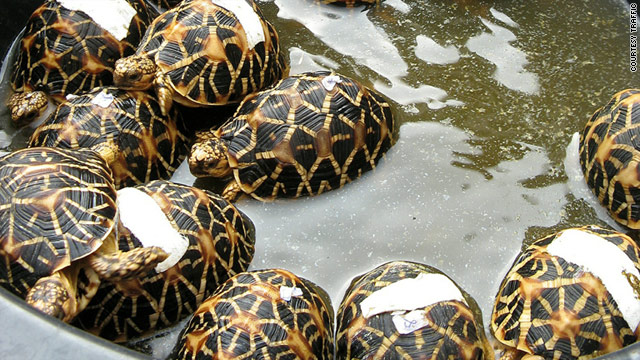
(213, 242)
(310, 133)
(571, 295)
(128, 127)
(407, 310)
(205, 53)
(58, 217)
(610, 156)
(265, 314)
(69, 47)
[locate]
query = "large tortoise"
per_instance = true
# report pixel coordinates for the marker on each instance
(204, 53)
(610, 156)
(264, 314)
(70, 47)
(407, 310)
(217, 242)
(139, 143)
(58, 218)
(570, 295)
(310, 133)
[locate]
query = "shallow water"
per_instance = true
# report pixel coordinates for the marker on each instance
(487, 96)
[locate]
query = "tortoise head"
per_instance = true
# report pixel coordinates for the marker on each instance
(26, 107)
(135, 72)
(209, 156)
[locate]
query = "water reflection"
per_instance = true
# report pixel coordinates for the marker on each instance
(417, 205)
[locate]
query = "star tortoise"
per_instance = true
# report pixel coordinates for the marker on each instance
(310, 133)
(263, 314)
(407, 310)
(570, 295)
(218, 242)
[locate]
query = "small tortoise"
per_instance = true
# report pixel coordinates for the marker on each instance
(217, 243)
(57, 220)
(267, 314)
(571, 295)
(204, 53)
(141, 144)
(406, 310)
(69, 48)
(610, 156)
(310, 133)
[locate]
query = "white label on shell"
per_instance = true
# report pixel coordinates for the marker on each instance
(604, 260)
(411, 294)
(406, 323)
(145, 219)
(247, 17)
(112, 15)
(103, 99)
(329, 82)
(287, 292)
(70, 97)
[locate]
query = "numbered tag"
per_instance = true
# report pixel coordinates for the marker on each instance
(286, 292)
(407, 323)
(103, 100)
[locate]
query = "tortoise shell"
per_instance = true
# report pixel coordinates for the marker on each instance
(557, 303)
(310, 133)
(609, 156)
(150, 146)
(449, 328)
(207, 54)
(267, 314)
(64, 51)
(221, 244)
(56, 207)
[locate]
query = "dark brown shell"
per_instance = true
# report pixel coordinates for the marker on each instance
(204, 51)
(248, 318)
(453, 331)
(299, 138)
(150, 146)
(610, 156)
(221, 244)
(66, 52)
(56, 206)
(550, 307)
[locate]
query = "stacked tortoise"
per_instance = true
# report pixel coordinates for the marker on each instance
(126, 127)
(212, 241)
(610, 156)
(204, 53)
(70, 48)
(406, 310)
(310, 133)
(58, 217)
(571, 295)
(266, 314)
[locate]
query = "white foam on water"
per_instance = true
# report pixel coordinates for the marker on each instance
(247, 17)
(604, 260)
(145, 219)
(112, 15)
(411, 294)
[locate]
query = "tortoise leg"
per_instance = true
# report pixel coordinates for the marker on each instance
(54, 295)
(164, 92)
(231, 191)
(122, 265)
(26, 107)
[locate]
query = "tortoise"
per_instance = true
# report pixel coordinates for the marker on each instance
(408, 310)
(58, 217)
(140, 143)
(67, 49)
(218, 242)
(609, 156)
(204, 53)
(571, 295)
(263, 314)
(310, 133)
